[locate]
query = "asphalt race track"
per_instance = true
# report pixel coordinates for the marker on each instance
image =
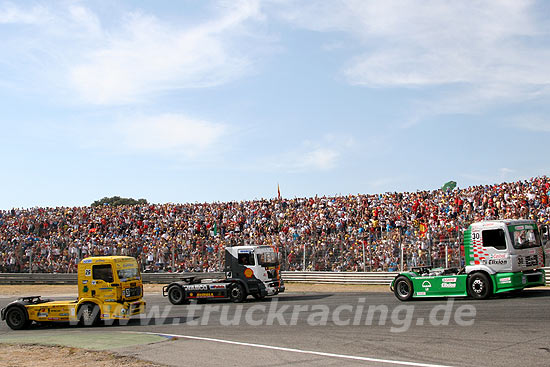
(303, 329)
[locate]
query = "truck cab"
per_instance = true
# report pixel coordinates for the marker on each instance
(109, 288)
(499, 256)
(256, 265)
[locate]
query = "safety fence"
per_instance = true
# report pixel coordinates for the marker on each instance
(384, 249)
(374, 278)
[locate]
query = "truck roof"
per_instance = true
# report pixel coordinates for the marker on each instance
(100, 259)
(251, 247)
(502, 221)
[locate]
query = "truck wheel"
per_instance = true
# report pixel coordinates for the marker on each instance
(236, 293)
(88, 314)
(402, 288)
(479, 286)
(175, 295)
(17, 318)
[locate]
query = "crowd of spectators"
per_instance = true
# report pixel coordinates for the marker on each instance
(342, 233)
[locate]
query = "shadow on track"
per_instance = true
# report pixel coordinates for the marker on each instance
(526, 294)
(113, 323)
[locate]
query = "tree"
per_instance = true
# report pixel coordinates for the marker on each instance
(449, 186)
(117, 201)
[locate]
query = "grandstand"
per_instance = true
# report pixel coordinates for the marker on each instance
(381, 232)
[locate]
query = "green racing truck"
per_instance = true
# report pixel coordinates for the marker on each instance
(499, 256)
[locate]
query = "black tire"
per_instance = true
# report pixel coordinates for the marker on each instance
(403, 288)
(480, 286)
(88, 314)
(237, 293)
(17, 318)
(176, 295)
(258, 296)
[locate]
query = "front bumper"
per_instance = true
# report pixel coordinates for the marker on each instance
(123, 310)
(275, 287)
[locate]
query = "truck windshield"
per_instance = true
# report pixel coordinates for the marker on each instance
(128, 273)
(524, 236)
(268, 259)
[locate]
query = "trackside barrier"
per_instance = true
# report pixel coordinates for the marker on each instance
(327, 277)
(65, 278)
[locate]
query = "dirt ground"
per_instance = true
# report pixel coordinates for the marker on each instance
(12, 355)
(70, 290)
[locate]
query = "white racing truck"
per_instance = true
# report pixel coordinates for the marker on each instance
(249, 270)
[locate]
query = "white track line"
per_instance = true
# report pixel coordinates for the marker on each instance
(332, 355)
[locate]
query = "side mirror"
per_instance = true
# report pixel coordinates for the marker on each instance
(545, 232)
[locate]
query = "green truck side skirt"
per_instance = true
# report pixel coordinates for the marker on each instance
(456, 285)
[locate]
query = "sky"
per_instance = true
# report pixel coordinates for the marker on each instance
(205, 101)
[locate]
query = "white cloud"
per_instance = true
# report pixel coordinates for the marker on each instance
(148, 56)
(128, 57)
(532, 122)
(170, 133)
(488, 51)
(11, 14)
(320, 155)
(319, 159)
(419, 42)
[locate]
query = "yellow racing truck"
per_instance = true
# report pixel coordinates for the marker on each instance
(109, 288)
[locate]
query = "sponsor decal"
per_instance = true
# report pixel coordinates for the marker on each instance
(85, 289)
(110, 300)
(42, 314)
(217, 286)
(498, 262)
(426, 284)
(94, 282)
(104, 315)
(86, 261)
(248, 273)
(244, 251)
(123, 311)
(499, 256)
(84, 282)
(448, 285)
(53, 318)
(64, 314)
(88, 272)
(420, 293)
(449, 280)
(199, 295)
(505, 280)
(72, 311)
(196, 287)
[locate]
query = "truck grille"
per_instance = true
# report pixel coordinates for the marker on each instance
(528, 261)
(132, 292)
